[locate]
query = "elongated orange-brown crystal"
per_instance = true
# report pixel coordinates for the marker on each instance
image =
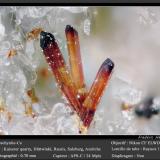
(96, 91)
(56, 61)
(75, 60)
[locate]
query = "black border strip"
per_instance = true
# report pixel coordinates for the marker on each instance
(76, 137)
(143, 4)
(79, 2)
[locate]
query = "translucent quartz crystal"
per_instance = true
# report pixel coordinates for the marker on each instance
(124, 91)
(86, 27)
(2, 31)
(11, 82)
(22, 125)
(4, 125)
(30, 49)
(61, 120)
(28, 18)
(16, 75)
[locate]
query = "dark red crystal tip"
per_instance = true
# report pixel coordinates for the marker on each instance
(108, 64)
(45, 39)
(70, 29)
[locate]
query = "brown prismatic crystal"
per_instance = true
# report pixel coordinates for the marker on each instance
(96, 91)
(56, 61)
(75, 60)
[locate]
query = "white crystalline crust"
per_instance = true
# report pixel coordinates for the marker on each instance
(59, 121)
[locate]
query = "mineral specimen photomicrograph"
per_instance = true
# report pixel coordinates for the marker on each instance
(55, 63)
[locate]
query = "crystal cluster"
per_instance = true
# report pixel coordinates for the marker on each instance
(72, 82)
